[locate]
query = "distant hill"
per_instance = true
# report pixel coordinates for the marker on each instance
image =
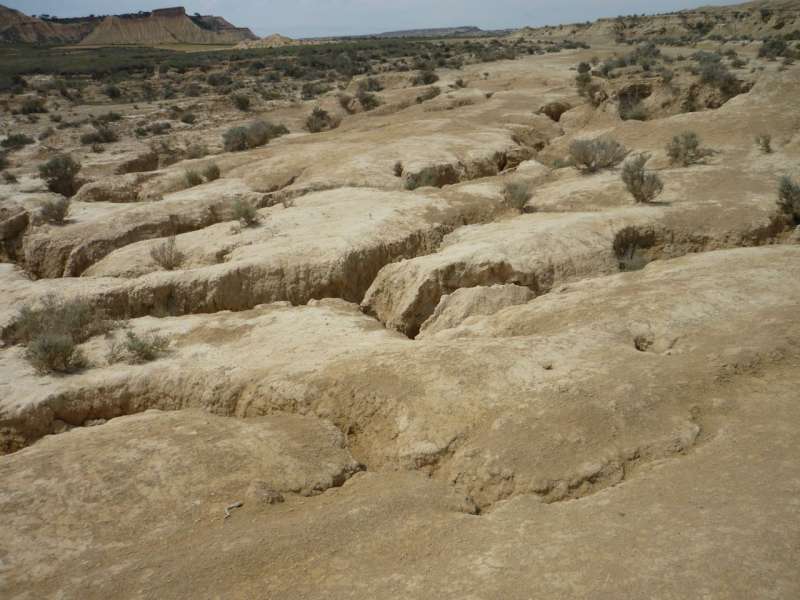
(162, 26)
(465, 31)
(758, 20)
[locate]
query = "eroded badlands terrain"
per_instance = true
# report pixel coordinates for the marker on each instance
(397, 384)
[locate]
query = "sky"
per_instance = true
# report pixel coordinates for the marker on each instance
(316, 18)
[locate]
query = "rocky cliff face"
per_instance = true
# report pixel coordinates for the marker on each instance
(166, 26)
(16, 27)
(162, 26)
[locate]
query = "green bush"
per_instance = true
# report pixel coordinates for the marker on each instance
(516, 195)
(33, 106)
(593, 155)
(53, 352)
(189, 118)
(16, 140)
(137, 349)
(52, 332)
(643, 186)
(789, 197)
(167, 255)
(425, 77)
(429, 94)
(256, 134)
(368, 101)
(764, 142)
(193, 178)
(245, 213)
(320, 120)
(60, 173)
(211, 172)
(685, 149)
(100, 135)
(241, 102)
(112, 92)
(55, 210)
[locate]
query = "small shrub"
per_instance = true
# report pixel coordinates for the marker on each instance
(55, 210)
(764, 142)
(398, 169)
(789, 197)
(245, 213)
(16, 140)
(235, 139)
(211, 172)
(429, 94)
(320, 120)
(218, 79)
(53, 352)
(9, 177)
(685, 150)
(368, 101)
(193, 178)
(516, 195)
(189, 118)
(137, 349)
(425, 77)
(643, 186)
(600, 153)
(633, 112)
(241, 102)
(167, 255)
(3, 161)
(112, 91)
(370, 84)
(718, 75)
(256, 134)
(100, 135)
(32, 106)
(60, 173)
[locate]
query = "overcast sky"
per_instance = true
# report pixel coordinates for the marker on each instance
(307, 18)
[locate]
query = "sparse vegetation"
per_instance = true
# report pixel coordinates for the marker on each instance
(136, 349)
(32, 106)
(591, 156)
(256, 134)
(398, 169)
(789, 197)
(55, 210)
(429, 94)
(15, 141)
(425, 77)
(321, 120)
(54, 353)
(685, 149)
(516, 195)
(241, 102)
(764, 141)
(643, 186)
(60, 173)
(167, 255)
(52, 332)
(211, 172)
(101, 135)
(246, 213)
(192, 178)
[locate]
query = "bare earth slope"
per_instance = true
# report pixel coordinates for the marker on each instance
(401, 379)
